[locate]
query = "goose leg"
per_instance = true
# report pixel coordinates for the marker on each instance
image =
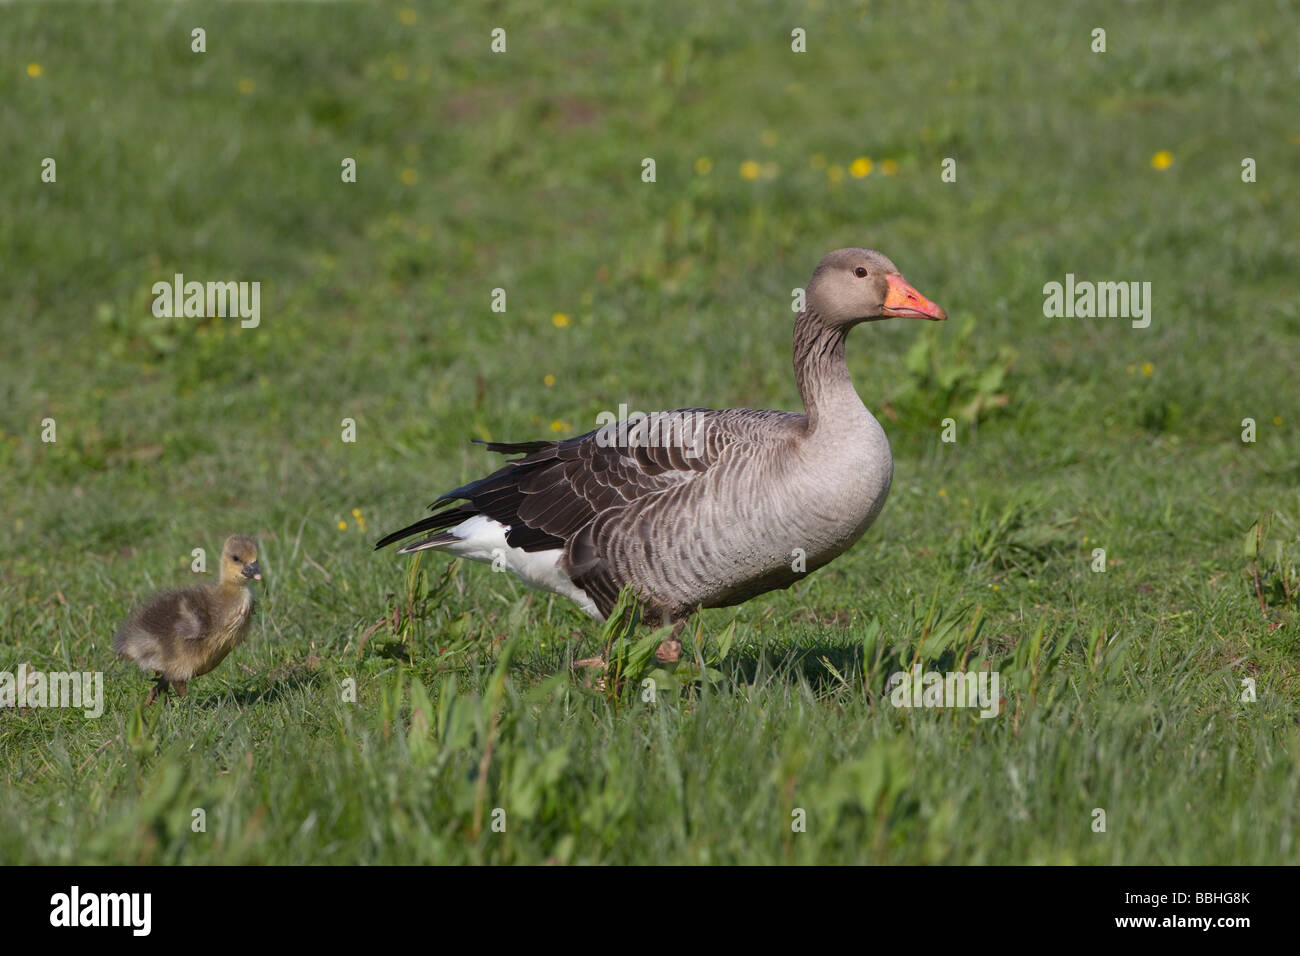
(180, 687)
(670, 650)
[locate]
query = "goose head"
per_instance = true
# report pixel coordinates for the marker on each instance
(239, 560)
(861, 285)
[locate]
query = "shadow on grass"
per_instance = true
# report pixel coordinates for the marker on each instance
(826, 667)
(277, 685)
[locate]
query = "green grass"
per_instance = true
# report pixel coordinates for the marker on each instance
(1123, 688)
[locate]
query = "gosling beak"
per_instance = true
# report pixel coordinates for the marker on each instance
(905, 302)
(251, 570)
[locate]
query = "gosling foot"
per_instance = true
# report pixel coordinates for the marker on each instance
(159, 687)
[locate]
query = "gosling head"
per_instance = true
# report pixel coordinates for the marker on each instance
(239, 560)
(861, 285)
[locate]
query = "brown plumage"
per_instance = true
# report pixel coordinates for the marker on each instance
(185, 633)
(765, 498)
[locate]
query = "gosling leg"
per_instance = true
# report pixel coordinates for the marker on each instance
(159, 687)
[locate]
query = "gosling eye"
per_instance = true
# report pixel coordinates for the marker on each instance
(235, 558)
(860, 272)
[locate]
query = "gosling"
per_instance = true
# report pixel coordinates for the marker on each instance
(185, 633)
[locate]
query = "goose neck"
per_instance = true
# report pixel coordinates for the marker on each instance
(821, 371)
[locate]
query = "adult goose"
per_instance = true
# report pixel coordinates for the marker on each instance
(732, 504)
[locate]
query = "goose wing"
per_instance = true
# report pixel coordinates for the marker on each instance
(574, 494)
(183, 614)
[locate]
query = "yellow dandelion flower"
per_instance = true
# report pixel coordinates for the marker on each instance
(406, 15)
(559, 426)
(560, 320)
(34, 70)
(943, 492)
(400, 73)
(750, 169)
(835, 174)
(549, 380)
(343, 526)
(817, 160)
(889, 167)
(996, 588)
(769, 138)
(861, 167)
(409, 176)
(356, 512)
(703, 166)
(1162, 160)
(1277, 419)
(1147, 369)
(246, 86)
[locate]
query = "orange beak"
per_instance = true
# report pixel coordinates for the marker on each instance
(905, 302)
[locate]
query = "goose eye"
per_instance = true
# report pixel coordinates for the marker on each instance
(860, 272)
(234, 557)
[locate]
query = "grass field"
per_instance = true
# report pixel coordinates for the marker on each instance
(523, 171)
